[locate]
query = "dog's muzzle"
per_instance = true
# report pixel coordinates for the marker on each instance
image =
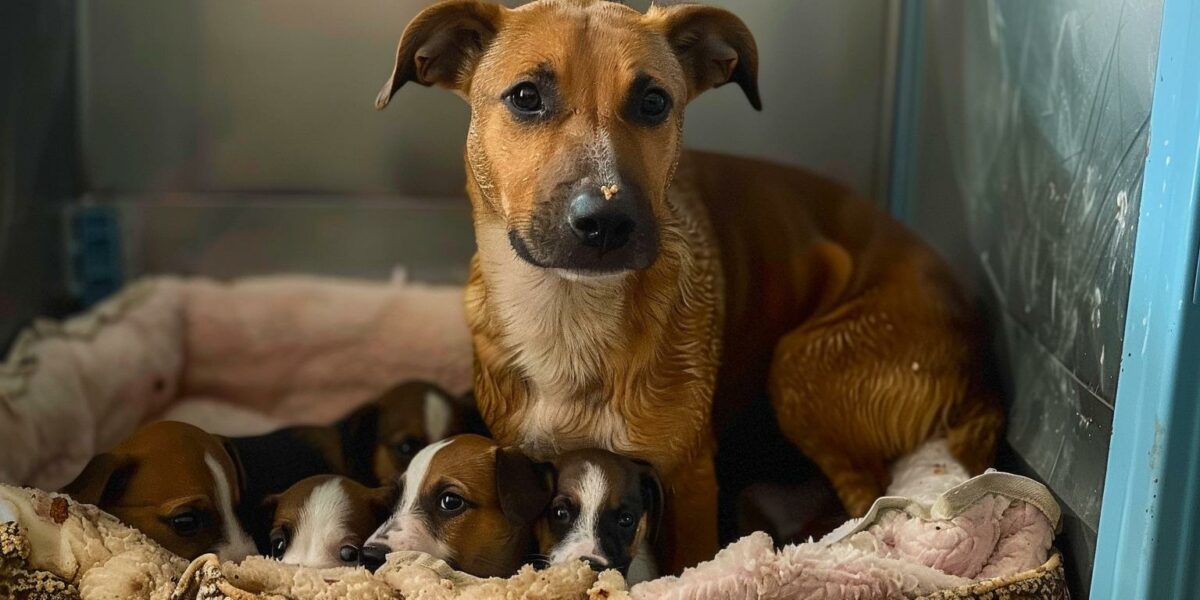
(594, 230)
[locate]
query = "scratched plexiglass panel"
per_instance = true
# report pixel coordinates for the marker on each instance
(1033, 135)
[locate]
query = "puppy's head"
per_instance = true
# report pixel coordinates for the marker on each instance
(384, 435)
(605, 509)
(576, 116)
(175, 483)
(322, 521)
(469, 502)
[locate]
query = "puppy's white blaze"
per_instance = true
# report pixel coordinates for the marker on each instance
(407, 528)
(438, 413)
(320, 528)
(418, 469)
(235, 543)
(583, 539)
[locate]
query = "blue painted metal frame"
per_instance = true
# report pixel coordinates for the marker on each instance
(1150, 521)
(906, 108)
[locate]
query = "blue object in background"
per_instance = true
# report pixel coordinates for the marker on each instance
(94, 242)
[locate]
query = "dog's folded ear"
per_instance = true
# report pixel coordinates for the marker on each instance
(103, 480)
(652, 497)
(524, 487)
(714, 47)
(440, 46)
(383, 500)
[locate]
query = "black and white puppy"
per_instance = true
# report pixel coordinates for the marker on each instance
(606, 511)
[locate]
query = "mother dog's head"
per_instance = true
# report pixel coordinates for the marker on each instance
(576, 114)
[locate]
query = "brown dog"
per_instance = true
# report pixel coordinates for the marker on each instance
(625, 291)
(173, 482)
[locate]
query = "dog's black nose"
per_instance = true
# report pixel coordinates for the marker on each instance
(372, 557)
(599, 221)
(597, 564)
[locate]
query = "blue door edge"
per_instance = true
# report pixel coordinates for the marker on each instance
(1148, 523)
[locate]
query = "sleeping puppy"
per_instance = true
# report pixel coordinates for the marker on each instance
(469, 502)
(606, 512)
(322, 521)
(383, 436)
(371, 445)
(175, 483)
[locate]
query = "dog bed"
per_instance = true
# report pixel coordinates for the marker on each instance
(265, 352)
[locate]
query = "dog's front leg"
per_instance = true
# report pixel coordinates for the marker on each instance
(690, 520)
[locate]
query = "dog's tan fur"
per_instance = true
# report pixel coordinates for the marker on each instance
(870, 346)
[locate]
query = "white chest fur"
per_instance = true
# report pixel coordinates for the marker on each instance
(560, 331)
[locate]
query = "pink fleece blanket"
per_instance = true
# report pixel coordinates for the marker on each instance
(235, 358)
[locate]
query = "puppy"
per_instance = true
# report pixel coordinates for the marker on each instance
(469, 502)
(175, 483)
(371, 445)
(606, 512)
(383, 436)
(322, 521)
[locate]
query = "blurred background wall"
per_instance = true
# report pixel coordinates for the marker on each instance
(276, 96)
(38, 157)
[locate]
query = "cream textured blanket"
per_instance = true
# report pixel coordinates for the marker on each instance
(284, 350)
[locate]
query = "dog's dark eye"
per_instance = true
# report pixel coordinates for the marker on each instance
(407, 447)
(452, 503)
(279, 543)
(186, 523)
(526, 98)
(626, 520)
(654, 104)
(562, 514)
(348, 553)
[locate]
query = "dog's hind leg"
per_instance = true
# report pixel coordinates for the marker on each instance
(875, 378)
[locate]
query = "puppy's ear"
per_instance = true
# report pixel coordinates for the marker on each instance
(383, 500)
(359, 432)
(652, 497)
(713, 46)
(103, 480)
(270, 502)
(441, 46)
(523, 486)
(469, 417)
(239, 470)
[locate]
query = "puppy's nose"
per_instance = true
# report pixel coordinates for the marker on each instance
(372, 557)
(600, 222)
(596, 563)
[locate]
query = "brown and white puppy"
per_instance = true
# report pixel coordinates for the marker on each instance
(384, 435)
(173, 482)
(606, 512)
(372, 445)
(322, 521)
(631, 296)
(469, 502)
